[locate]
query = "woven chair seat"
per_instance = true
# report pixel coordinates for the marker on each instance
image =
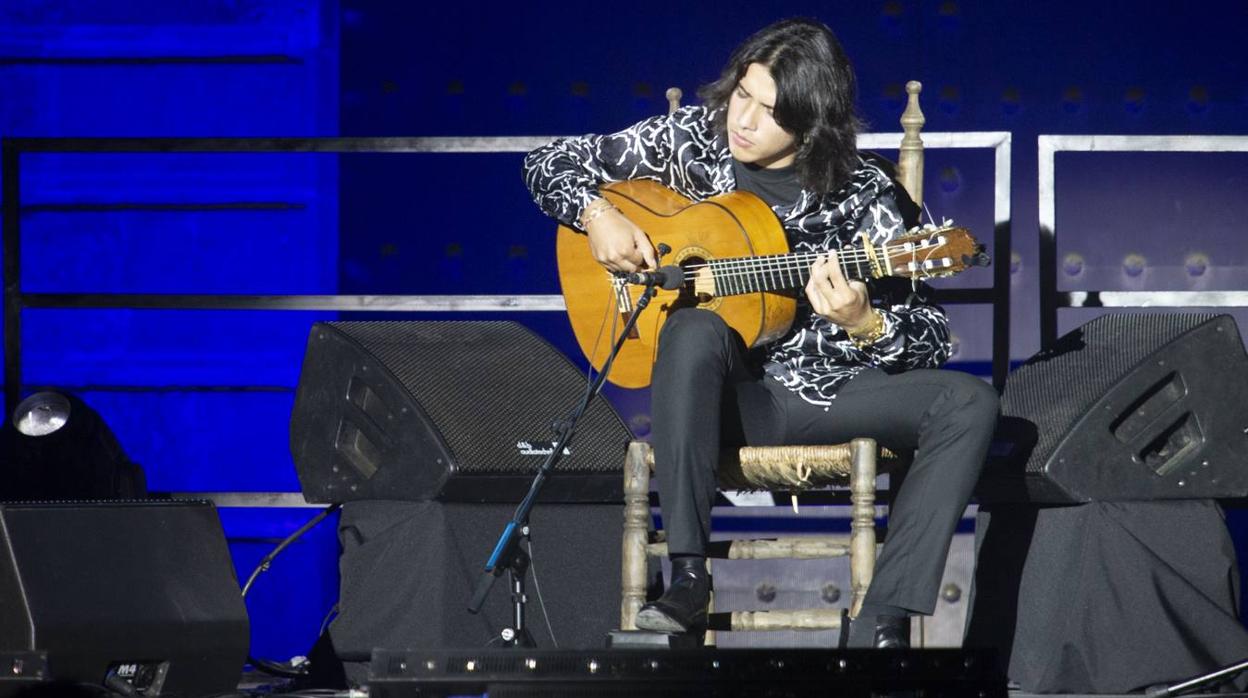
(787, 468)
(793, 468)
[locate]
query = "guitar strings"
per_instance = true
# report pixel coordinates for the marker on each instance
(794, 259)
(744, 268)
(793, 262)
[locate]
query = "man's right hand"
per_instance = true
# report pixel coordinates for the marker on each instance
(618, 244)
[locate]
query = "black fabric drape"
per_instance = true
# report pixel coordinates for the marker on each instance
(1106, 597)
(408, 570)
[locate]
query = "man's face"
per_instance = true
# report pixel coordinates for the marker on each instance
(754, 137)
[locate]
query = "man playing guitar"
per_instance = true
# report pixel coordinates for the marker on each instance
(860, 359)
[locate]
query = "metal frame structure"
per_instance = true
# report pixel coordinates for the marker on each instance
(16, 300)
(997, 295)
(1051, 299)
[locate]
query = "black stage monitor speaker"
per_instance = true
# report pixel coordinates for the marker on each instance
(135, 593)
(1127, 407)
(460, 411)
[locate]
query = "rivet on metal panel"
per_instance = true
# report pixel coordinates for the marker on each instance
(951, 592)
(765, 592)
(830, 593)
(1196, 263)
(1072, 264)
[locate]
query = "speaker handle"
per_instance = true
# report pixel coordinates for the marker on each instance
(508, 553)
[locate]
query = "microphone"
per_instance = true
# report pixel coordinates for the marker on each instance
(668, 278)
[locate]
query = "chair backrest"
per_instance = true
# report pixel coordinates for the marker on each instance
(910, 160)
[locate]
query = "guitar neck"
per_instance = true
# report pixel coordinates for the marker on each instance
(783, 272)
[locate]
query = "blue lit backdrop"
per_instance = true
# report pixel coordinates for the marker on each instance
(202, 399)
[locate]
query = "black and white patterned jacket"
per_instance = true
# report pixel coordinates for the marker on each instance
(688, 153)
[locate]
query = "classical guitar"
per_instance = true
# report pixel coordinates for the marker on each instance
(736, 262)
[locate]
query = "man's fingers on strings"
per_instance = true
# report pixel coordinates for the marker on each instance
(647, 251)
(835, 275)
(823, 275)
(618, 264)
(819, 289)
(624, 264)
(812, 283)
(624, 258)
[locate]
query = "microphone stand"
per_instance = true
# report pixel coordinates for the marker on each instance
(508, 553)
(1193, 684)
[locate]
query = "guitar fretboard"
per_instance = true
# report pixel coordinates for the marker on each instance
(780, 272)
(913, 256)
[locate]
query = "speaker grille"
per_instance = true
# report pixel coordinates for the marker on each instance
(489, 388)
(1057, 386)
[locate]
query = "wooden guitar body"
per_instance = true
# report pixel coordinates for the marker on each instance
(736, 224)
(736, 263)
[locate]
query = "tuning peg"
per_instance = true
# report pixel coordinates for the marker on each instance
(979, 259)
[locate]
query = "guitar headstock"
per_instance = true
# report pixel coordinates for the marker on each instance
(933, 252)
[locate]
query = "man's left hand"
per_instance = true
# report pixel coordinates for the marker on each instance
(835, 298)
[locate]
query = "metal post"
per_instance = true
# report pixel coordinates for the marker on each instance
(10, 170)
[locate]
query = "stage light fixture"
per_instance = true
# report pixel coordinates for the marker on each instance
(56, 447)
(41, 414)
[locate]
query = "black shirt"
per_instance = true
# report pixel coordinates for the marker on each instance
(777, 187)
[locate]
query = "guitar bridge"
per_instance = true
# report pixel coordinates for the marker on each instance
(624, 303)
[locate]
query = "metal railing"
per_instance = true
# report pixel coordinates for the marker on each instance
(16, 299)
(1051, 299)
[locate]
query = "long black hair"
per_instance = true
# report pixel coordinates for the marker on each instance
(815, 92)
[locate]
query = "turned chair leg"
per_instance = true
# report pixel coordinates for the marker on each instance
(636, 527)
(708, 639)
(862, 540)
(862, 521)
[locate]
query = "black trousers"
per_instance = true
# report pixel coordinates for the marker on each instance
(706, 394)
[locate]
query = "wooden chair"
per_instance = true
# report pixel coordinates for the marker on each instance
(785, 468)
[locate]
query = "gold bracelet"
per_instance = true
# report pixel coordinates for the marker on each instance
(595, 208)
(869, 334)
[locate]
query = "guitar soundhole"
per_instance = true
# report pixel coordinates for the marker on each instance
(688, 296)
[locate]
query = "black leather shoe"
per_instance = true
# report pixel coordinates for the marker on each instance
(682, 608)
(879, 632)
